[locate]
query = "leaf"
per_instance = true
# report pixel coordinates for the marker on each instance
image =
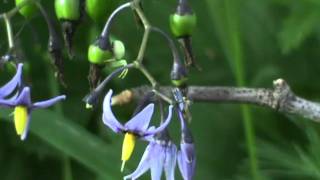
(74, 141)
(297, 28)
(226, 17)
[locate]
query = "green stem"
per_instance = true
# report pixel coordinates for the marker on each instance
(66, 168)
(147, 29)
(7, 16)
(146, 73)
(236, 49)
(143, 46)
(9, 31)
(54, 88)
(142, 50)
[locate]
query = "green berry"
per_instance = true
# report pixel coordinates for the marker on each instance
(27, 10)
(67, 9)
(118, 49)
(99, 10)
(183, 25)
(97, 55)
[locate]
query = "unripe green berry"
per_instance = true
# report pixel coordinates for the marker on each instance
(27, 10)
(99, 10)
(183, 25)
(67, 9)
(97, 55)
(118, 49)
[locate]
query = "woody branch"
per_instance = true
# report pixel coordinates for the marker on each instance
(279, 98)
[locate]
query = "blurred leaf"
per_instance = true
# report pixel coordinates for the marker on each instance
(226, 17)
(74, 141)
(292, 161)
(297, 27)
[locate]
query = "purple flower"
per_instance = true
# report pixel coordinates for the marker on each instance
(8, 88)
(159, 155)
(136, 127)
(186, 155)
(23, 107)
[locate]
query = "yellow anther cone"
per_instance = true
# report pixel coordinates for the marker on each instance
(127, 148)
(20, 119)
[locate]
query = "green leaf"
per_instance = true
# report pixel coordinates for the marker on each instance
(74, 141)
(226, 17)
(297, 28)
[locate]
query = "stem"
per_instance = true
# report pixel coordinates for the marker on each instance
(92, 98)
(233, 29)
(54, 88)
(106, 31)
(171, 44)
(9, 31)
(140, 13)
(146, 73)
(163, 97)
(143, 46)
(66, 168)
(147, 29)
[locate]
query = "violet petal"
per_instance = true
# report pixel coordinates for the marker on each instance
(108, 117)
(140, 122)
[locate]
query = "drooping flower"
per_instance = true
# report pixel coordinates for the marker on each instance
(186, 155)
(136, 127)
(8, 88)
(159, 155)
(23, 107)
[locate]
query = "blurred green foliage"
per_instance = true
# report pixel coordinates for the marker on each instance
(272, 39)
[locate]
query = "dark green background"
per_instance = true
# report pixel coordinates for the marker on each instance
(251, 42)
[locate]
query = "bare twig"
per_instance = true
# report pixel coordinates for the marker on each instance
(280, 98)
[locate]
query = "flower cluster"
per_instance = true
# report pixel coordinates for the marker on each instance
(161, 154)
(15, 95)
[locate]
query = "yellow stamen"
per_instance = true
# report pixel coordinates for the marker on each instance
(127, 148)
(20, 116)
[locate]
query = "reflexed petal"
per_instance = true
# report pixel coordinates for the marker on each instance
(157, 162)
(187, 168)
(26, 130)
(47, 103)
(8, 88)
(8, 103)
(144, 164)
(170, 162)
(140, 122)
(108, 117)
(24, 98)
(162, 126)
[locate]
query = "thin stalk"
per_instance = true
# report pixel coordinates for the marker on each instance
(9, 31)
(143, 46)
(141, 15)
(146, 73)
(106, 31)
(54, 88)
(171, 44)
(147, 29)
(236, 50)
